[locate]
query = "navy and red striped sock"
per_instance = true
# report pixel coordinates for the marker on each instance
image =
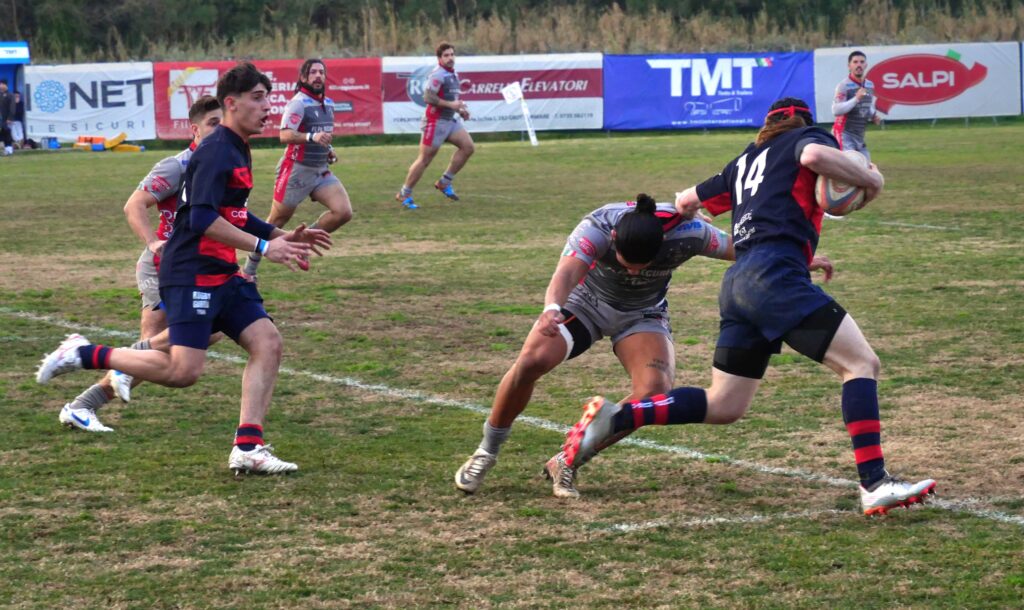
(95, 356)
(679, 406)
(248, 436)
(860, 414)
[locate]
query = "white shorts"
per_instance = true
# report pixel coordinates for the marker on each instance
(296, 181)
(147, 278)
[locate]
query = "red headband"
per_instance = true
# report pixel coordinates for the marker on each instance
(789, 111)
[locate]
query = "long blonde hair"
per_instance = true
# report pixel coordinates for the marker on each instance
(785, 114)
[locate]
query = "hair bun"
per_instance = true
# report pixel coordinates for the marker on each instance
(646, 204)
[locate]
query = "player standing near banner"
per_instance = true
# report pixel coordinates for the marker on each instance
(200, 285)
(442, 122)
(159, 188)
(854, 106)
(307, 128)
(611, 281)
(766, 298)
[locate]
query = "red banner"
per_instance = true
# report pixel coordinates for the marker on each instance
(353, 84)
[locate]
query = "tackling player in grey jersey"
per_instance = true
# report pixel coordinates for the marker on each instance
(611, 282)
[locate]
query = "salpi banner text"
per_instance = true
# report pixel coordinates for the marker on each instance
(71, 100)
(930, 81)
(353, 84)
(562, 91)
(701, 90)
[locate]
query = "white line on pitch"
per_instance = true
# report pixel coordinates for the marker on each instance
(963, 506)
(710, 521)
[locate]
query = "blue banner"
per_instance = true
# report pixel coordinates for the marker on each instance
(701, 90)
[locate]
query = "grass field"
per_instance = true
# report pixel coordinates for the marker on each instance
(395, 342)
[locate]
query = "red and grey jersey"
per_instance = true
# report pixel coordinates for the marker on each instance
(163, 183)
(591, 242)
(307, 114)
(219, 176)
(770, 194)
(853, 115)
(445, 83)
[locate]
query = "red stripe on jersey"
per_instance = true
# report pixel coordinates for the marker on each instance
(803, 194)
(866, 454)
(669, 220)
(215, 279)
(866, 426)
(283, 175)
(95, 357)
(217, 250)
(241, 178)
(719, 204)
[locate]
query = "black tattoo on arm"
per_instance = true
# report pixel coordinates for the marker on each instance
(661, 365)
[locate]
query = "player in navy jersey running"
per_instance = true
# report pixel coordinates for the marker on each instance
(611, 281)
(307, 128)
(200, 283)
(766, 298)
(442, 122)
(159, 188)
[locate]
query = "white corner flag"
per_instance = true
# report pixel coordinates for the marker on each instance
(513, 92)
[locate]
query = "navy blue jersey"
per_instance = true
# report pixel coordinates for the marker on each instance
(770, 194)
(219, 176)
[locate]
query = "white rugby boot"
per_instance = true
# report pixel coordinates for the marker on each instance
(62, 360)
(82, 418)
(122, 384)
(891, 492)
(592, 432)
(562, 477)
(471, 475)
(260, 460)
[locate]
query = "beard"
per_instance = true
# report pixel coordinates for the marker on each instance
(316, 88)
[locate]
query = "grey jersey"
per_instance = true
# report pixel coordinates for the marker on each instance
(306, 114)
(591, 242)
(445, 84)
(163, 182)
(853, 116)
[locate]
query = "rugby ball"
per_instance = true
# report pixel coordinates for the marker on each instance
(837, 198)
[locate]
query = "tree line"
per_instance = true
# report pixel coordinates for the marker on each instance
(112, 30)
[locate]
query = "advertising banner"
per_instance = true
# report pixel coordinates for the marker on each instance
(929, 81)
(353, 84)
(68, 101)
(701, 90)
(563, 91)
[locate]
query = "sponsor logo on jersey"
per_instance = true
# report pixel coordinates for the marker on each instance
(241, 178)
(587, 247)
(919, 79)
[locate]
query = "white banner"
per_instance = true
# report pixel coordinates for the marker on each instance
(929, 81)
(563, 91)
(73, 100)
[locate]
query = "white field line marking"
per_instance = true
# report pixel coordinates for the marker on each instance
(963, 506)
(710, 521)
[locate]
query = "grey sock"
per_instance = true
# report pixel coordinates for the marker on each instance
(493, 438)
(144, 344)
(93, 398)
(252, 263)
(406, 191)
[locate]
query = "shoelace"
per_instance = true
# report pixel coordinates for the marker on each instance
(476, 466)
(566, 475)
